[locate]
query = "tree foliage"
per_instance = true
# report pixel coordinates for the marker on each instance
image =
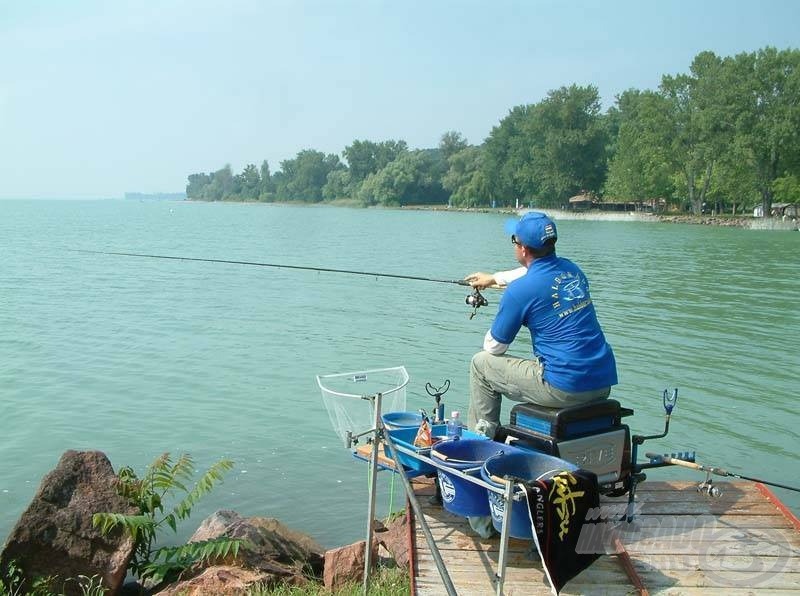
(466, 179)
(640, 167)
(413, 178)
(724, 133)
(367, 157)
(304, 176)
(568, 145)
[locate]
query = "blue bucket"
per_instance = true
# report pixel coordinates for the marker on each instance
(461, 496)
(527, 466)
(395, 420)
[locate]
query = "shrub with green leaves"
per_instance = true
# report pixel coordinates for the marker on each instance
(165, 480)
(11, 580)
(13, 583)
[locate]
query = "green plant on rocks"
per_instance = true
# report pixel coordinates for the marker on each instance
(165, 479)
(11, 580)
(12, 584)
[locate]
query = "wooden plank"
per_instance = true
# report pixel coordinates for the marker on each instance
(365, 452)
(471, 577)
(786, 539)
(710, 508)
(719, 579)
(728, 492)
(711, 591)
(734, 521)
(726, 562)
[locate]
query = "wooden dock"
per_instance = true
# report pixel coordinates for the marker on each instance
(681, 542)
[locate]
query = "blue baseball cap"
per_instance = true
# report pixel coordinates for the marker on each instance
(532, 229)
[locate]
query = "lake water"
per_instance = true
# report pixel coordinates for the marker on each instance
(136, 357)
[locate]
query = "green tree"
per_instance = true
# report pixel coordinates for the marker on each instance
(249, 183)
(641, 167)
(412, 178)
(338, 185)
(195, 189)
(267, 189)
(768, 123)
(787, 189)
(697, 129)
(304, 176)
(451, 143)
(549, 151)
(466, 179)
(507, 158)
(569, 142)
(221, 185)
(367, 157)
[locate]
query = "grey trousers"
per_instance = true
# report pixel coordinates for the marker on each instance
(519, 379)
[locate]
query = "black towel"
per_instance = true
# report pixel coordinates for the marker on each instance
(558, 508)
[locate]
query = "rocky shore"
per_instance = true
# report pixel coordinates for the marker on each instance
(707, 220)
(746, 222)
(55, 541)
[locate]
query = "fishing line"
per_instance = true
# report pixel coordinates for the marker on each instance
(459, 282)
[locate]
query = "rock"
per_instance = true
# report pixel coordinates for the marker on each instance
(282, 554)
(219, 580)
(344, 564)
(396, 540)
(55, 537)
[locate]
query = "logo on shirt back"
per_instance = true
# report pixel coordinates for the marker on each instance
(573, 291)
(569, 293)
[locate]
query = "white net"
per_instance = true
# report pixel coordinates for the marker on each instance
(349, 397)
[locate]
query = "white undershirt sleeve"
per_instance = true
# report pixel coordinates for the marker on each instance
(493, 346)
(503, 278)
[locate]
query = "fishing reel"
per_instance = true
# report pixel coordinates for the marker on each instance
(707, 487)
(476, 300)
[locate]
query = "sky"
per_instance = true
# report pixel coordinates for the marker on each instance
(100, 98)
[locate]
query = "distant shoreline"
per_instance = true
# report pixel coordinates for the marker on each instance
(746, 222)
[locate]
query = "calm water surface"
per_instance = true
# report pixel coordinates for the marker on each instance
(136, 357)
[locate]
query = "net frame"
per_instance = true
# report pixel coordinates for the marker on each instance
(353, 413)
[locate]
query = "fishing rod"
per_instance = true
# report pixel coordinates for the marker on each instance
(655, 458)
(475, 300)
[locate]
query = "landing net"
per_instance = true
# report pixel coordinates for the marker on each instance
(349, 397)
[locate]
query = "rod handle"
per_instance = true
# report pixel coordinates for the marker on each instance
(674, 461)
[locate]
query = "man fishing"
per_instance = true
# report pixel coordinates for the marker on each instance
(571, 362)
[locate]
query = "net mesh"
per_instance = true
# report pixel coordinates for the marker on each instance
(348, 397)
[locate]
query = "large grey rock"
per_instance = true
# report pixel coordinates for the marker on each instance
(278, 553)
(55, 537)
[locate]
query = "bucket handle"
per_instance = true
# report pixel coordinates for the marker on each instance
(549, 474)
(498, 480)
(458, 461)
(507, 478)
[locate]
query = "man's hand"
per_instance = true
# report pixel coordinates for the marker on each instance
(480, 280)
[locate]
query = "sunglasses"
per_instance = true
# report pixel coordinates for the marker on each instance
(514, 241)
